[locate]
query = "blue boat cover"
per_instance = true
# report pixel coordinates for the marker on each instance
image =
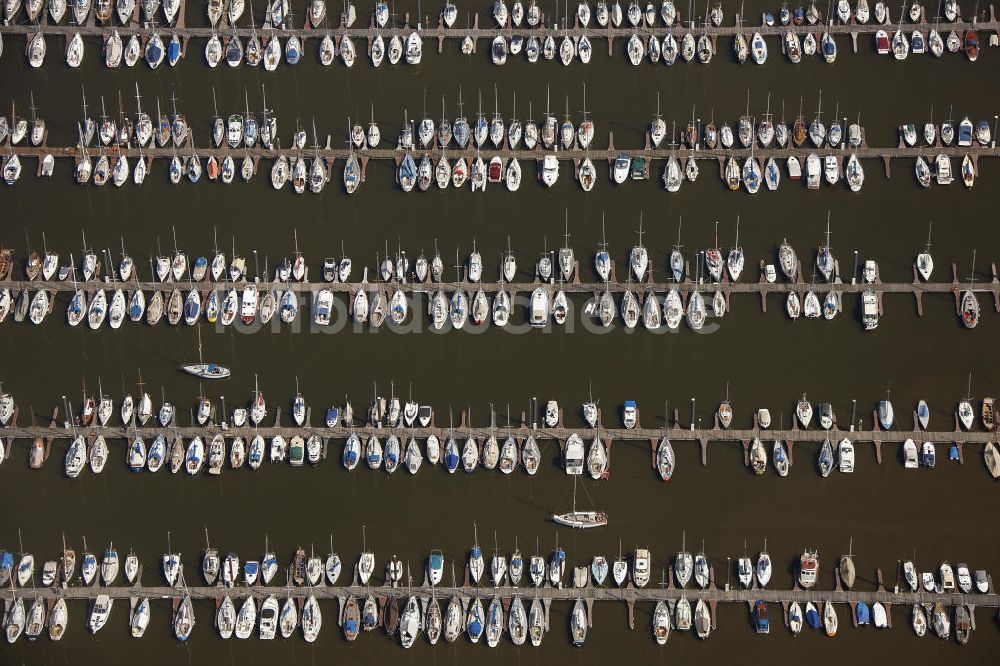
(864, 614)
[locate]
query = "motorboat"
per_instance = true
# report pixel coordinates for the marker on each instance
(808, 568)
(928, 454)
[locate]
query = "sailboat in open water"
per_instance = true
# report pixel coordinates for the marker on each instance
(205, 370)
(581, 519)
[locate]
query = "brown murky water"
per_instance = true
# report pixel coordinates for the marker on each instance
(765, 359)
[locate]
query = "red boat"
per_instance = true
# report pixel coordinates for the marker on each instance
(971, 45)
(495, 172)
(882, 42)
(213, 168)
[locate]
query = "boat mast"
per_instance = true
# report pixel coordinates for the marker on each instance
(200, 360)
(83, 93)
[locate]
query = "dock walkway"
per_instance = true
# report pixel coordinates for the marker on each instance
(610, 153)
(628, 594)
(573, 287)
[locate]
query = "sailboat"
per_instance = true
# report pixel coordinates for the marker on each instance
(969, 309)
(581, 519)
(205, 370)
(846, 566)
(925, 262)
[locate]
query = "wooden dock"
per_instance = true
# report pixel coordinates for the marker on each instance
(415, 291)
(989, 286)
(675, 433)
(718, 157)
(628, 594)
(330, 154)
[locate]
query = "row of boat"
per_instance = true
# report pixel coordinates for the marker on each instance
(267, 51)
(499, 570)
(268, 618)
(690, 45)
(213, 451)
(395, 413)
(163, 12)
(638, 15)
(672, 47)
(714, 264)
(257, 304)
(195, 456)
(278, 13)
(247, 130)
(751, 174)
(822, 414)
(422, 612)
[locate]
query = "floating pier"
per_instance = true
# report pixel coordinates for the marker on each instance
(416, 290)
(328, 154)
(675, 434)
(630, 594)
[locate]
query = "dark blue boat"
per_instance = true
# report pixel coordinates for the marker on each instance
(475, 628)
(451, 455)
(369, 620)
(191, 308)
(863, 613)
(812, 618)
(154, 53)
(174, 50)
(292, 54)
(234, 51)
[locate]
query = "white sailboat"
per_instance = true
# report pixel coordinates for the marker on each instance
(580, 519)
(205, 370)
